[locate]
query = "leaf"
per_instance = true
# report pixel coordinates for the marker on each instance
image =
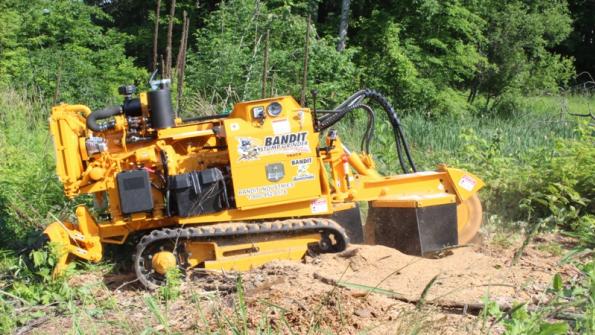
(557, 283)
(553, 328)
(422, 298)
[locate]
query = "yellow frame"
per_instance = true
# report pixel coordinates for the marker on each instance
(352, 176)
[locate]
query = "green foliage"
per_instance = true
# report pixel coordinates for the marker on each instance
(418, 51)
(580, 44)
(572, 300)
(463, 67)
(518, 36)
(437, 57)
(552, 183)
(230, 48)
(421, 51)
(171, 290)
(54, 48)
(29, 188)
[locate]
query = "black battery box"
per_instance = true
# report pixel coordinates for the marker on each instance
(134, 188)
(198, 192)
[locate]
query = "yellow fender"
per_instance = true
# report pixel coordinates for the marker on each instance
(465, 184)
(80, 240)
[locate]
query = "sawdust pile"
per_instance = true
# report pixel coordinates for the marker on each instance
(366, 288)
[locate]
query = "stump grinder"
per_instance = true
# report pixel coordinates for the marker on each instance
(270, 180)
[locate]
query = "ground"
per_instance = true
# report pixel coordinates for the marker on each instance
(366, 289)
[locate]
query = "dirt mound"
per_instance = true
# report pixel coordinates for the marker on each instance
(373, 289)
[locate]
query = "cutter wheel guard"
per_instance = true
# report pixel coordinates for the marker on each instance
(271, 180)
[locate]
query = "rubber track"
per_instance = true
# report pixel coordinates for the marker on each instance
(237, 229)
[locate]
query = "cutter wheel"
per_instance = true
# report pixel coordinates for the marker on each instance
(469, 218)
(232, 246)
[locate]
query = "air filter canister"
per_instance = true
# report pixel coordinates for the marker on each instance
(162, 114)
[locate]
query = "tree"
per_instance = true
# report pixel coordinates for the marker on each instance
(227, 58)
(419, 52)
(519, 37)
(343, 25)
(58, 52)
(581, 43)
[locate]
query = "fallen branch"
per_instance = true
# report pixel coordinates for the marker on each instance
(126, 284)
(444, 305)
(591, 115)
(35, 323)
(15, 297)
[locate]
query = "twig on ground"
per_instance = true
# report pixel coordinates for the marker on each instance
(36, 308)
(15, 297)
(35, 323)
(584, 115)
(349, 253)
(126, 283)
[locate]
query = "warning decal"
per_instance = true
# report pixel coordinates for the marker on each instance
(468, 183)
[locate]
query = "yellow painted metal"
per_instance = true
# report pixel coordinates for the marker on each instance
(244, 257)
(187, 131)
(80, 240)
(358, 162)
(414, 200)
(257, 145)
(199, 252)
(464, 183)
(67, 125)
(469, 218)
(277, 166)
(163, 261)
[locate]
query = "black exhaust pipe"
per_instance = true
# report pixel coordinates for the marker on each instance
(162, 112)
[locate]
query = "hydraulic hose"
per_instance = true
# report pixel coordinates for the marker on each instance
(100, 115)
(354, 102)
(397, 128)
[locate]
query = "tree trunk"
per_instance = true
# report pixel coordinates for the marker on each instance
(305, 74)
(181, 62)
(170, 28)
(265, 66)
(343, 25)
(156, 35)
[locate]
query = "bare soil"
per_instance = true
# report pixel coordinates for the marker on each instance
(329, 293)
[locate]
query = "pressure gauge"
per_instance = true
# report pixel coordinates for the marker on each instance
(274, 109)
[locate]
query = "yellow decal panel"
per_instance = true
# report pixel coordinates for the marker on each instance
(273, 161)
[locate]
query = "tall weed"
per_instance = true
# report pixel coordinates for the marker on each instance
(29, 188)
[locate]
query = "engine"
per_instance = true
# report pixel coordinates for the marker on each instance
(140, 161)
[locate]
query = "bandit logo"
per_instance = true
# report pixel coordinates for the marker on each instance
(303, 169)
(301, 161)
(293, 143)
(286, 144)
(247, 149)
(266, 191)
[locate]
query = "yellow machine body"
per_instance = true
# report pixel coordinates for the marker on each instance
(270, 168)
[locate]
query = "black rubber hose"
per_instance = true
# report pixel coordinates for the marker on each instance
(354, 102)
(100, 115)
(365, 144)
(396, 123)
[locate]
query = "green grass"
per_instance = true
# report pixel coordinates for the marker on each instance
(537, 125)
(537, 163)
